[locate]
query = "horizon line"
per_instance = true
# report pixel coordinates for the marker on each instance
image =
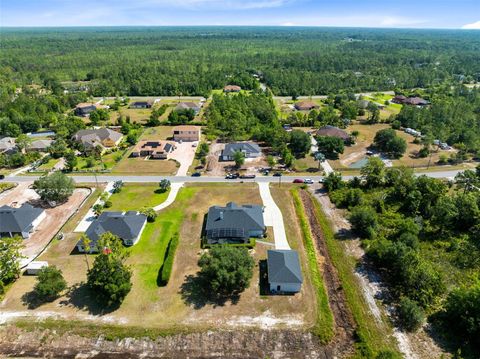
(237, 26)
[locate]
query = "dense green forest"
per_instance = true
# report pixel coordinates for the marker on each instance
(193, 61)
(423, 235)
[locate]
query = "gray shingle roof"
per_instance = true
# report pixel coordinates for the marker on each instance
(7, 143)
(284, 267)
(234, 221)
(249, 147)
(18, 220)
(126, 226)
(186, 106)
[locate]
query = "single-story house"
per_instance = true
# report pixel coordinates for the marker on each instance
(40, 145)
(83, 109)
(284, 271)
(232, 88)
(249, 149)
(154, 149)
(188, 106)
(141, 104)
(187, 133)
(363, 104)
(101, 137)
(332, 131)
(234, 224)
(413, 101)
(8, 145)
(127, 226)
(20, 221)
(306, 105)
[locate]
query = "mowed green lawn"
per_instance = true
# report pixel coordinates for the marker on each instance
(134, 196)
(148, 254)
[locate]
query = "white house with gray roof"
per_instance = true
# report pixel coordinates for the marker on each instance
(249, 149)
(284, 272)
(234, 224)
(20, 221)
(127, 226)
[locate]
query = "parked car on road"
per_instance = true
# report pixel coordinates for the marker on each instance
(277, 174)
(298, 180)
(196, 174)
(232, 176)
(308, 181)
(2, 177)
(247, 176)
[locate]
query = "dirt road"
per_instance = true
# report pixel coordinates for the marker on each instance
(344, 322)
(210, 344)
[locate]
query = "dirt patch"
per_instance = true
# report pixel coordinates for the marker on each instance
(218, 344)
(344, 322)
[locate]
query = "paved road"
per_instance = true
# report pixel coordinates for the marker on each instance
(178, 179)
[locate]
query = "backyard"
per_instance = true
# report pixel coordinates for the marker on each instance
(180, 304)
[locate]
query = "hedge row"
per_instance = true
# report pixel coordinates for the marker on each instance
(166, 269)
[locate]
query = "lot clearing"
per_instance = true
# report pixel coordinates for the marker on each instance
(217, 167)
(367, 132)
(51, 224)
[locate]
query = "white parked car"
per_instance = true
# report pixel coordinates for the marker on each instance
(308, 181)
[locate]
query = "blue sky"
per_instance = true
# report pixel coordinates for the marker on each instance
(361, 13)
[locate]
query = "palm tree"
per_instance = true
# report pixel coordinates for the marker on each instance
(467, 180)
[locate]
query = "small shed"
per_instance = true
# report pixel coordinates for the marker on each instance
(34, 267)
(284, 272)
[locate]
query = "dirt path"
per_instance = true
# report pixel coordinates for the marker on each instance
(344, 322)
(412, 345)
(276, 344)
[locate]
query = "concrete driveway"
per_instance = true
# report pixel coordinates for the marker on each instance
(184, 154)
(273, 217)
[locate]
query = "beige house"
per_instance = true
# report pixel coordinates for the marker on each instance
(155, 149)
(101, 137)
(186, 133)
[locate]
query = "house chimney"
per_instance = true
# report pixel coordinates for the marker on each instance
(221, 215)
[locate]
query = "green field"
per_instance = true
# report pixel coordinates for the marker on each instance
(134, 196)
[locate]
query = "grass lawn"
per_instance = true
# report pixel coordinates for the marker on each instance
(49, 165)
(108, 161)
(6, 186)
(141, 166)
(178, 306)
(133, 194)
(307, 165)
(140, 115)
(157, 133)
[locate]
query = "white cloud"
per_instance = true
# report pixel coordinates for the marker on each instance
(216, 4)
(472, 26)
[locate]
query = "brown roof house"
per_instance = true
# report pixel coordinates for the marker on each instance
(155, 149)
(413, 101)
(83, 109)
(186, 133)
(332, 131)
(101, 137)
(232, 88)
(306, 105)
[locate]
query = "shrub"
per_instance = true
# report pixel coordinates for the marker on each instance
(50, 283)
(150, 213)
(107, 204)
(364, 221)
(226, 270)
(410, 314)
(166, 269)
(109, 279)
